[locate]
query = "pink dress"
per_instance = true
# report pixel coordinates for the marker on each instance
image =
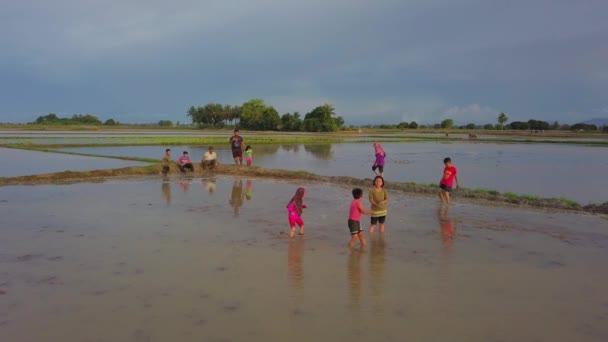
(293, 216)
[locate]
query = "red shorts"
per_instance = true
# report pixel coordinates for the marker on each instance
(295, 219)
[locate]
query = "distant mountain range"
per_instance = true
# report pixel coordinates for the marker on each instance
(597, 121)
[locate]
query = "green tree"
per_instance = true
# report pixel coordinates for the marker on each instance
(252, 114)
(321, 119)
(413, 125)
(165, 123)
(519, 125)
(555, 125)
(291, 122)
(270, 119)
(403, 125)
(447, 123)
(488, 126)
(110, 122)
(470, 126)
(502, 118)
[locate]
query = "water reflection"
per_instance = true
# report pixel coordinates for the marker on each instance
(166, 189)
(291, 148)
(323, 152)
(249, 189)
(446, 226)
(184, 184)
(377, 265)
(295, 269)
(354, 275)
(209, 184)
(236, 198)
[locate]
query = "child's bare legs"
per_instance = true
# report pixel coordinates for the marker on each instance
(353, 239)
(301, 232)
(372, 227)
(381, 226)
(447, 197)
(361, 238)
(292, 232)
(441, 192)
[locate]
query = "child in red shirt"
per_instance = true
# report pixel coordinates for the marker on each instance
(354, 218)
(445, 185)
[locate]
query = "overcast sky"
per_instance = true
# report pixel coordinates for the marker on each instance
(381, 61)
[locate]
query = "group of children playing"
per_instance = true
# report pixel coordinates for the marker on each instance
(378, 198)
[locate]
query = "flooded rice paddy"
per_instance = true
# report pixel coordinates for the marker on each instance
(22, 162)
(546, 170)
(190, 259)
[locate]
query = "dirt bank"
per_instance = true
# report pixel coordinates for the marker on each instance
(259, 172)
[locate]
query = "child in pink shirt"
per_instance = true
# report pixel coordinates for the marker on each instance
(294, 209)
(354, 218)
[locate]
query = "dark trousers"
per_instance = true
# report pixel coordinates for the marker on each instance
(208, 164)
(165, 170)
(183, 168)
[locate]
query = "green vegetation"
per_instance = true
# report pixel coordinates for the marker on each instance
(511, 196)
(568, 202)
(76, 119)
(257, 115)
(529, 197)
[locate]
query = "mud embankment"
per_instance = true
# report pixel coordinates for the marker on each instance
(494, 197)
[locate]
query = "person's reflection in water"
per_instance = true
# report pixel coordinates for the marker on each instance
(295, 269)
(184, 184)
(209, 184)
(236, 199)
(249, 189)
(447, 228)
(166, 188)
(354, 275)
(377, 261)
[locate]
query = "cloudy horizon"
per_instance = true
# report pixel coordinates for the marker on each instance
(377, 62)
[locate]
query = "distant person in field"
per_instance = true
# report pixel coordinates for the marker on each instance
(294, 212)
(445, 185)
(248, 155)
(166, 161)
(354, 218)
(379, 163)
(184, 162)
(210, 159)
(236, 144)
(378, 197)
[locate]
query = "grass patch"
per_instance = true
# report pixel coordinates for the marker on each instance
(529, 197)
(568, 202)
(511, 196)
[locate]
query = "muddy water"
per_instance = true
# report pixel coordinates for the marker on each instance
(546, 170)
(206, 260)
(21, 162)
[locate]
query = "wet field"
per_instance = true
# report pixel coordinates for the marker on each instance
(21, 162)
(546, 170)
(190, 259)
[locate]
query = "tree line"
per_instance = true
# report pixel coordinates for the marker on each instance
(257, 115)
(76, 119)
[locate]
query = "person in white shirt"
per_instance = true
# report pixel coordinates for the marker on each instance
(210, 159)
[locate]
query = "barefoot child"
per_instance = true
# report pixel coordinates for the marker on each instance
(294, 208)
(378, 197)
(445, 185)
(249, 155)
(354, 218)
(379, 163)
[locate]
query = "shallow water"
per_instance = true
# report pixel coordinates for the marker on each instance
(191, 260)
(22, 162)
(546, 170)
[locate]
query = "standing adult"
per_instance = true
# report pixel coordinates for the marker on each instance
(236, 143)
